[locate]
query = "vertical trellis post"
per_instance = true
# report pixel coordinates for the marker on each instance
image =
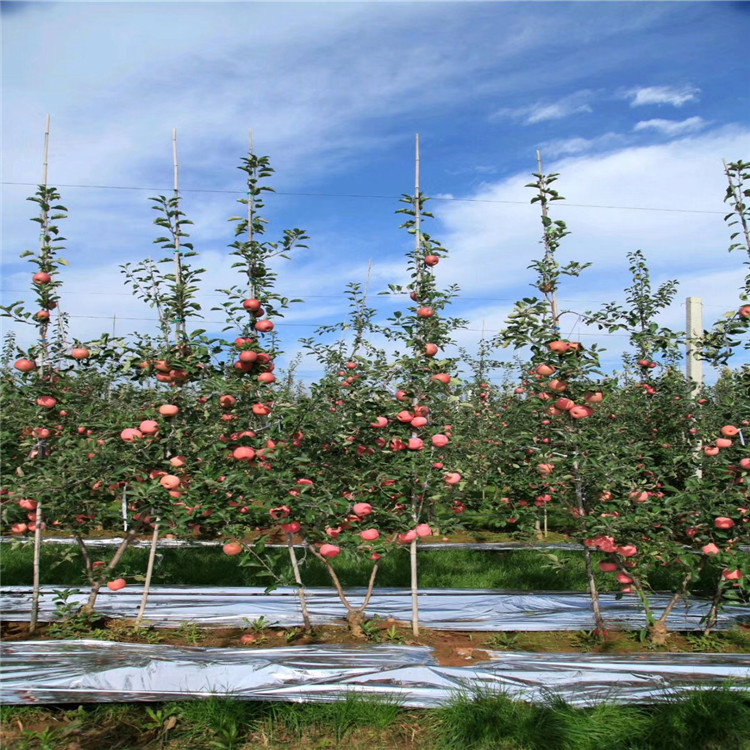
(418, 262)
(40, 445)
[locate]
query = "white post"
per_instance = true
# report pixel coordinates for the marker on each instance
(694, 327)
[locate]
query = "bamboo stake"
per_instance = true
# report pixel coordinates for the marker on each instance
(250, 215)
(37, 556)
(177, 262)
(149, 574)
(418, 262)
(43, 244)
(124, 508)
(553, 294)
(737, 194)
(40, 448)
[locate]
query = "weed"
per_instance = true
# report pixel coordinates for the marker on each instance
(371, 630)
(191, 633)
(259, 625)
(737, 637)
(161, 720)
(72, 621)
(392, 636)
(587, 639)
(705, 643)
(503, 640)
(291, 634)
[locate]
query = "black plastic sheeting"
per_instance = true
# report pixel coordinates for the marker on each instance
(446, 609)
(101, 672)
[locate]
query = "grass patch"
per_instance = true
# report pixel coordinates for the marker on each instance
(714, 719)
(517, 570)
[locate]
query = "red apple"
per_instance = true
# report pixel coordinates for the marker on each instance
(41, 278)
(251, 305)
(329, 550)
(130, 434)
(80, 352)
(24, 365)
(243, 453)
(170, 482)
(232, 548)
(408, 536)
(168, 410)
(430, 350)
(370, 535)
(117, 584)
(431, 260)
(559, 347)
(149, 427)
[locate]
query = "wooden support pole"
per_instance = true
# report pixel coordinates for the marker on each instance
(694, 328)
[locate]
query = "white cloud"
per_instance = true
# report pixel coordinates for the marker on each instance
(674, 95)
(672, 128)
(572, 104)
(569, 146)
(495, 234)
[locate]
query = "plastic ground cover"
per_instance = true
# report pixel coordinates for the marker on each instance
(176, 543)
(445, 609)
(95, 671)
(172, 543)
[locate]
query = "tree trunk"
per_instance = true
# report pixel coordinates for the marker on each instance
(149, 574)
(37, 557)
(96, 586)
(593, 592)
(354, 620)
(298, 580)
(414, 589)
(658, 633)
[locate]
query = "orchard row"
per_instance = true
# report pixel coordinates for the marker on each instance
(186, 434)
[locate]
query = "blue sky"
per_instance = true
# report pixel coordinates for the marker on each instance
(634, 103)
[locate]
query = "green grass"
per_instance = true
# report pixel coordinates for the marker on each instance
(518, 570)
(716, 719)
(713, 719)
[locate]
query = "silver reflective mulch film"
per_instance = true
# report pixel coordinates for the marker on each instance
(178, 543)
(446, 609)
(94, 671)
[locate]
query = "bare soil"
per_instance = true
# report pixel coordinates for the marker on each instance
(452, 648)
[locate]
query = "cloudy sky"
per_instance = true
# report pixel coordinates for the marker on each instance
(635, 104)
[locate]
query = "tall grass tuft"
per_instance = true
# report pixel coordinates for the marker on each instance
(714, 719)
(490, 720)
